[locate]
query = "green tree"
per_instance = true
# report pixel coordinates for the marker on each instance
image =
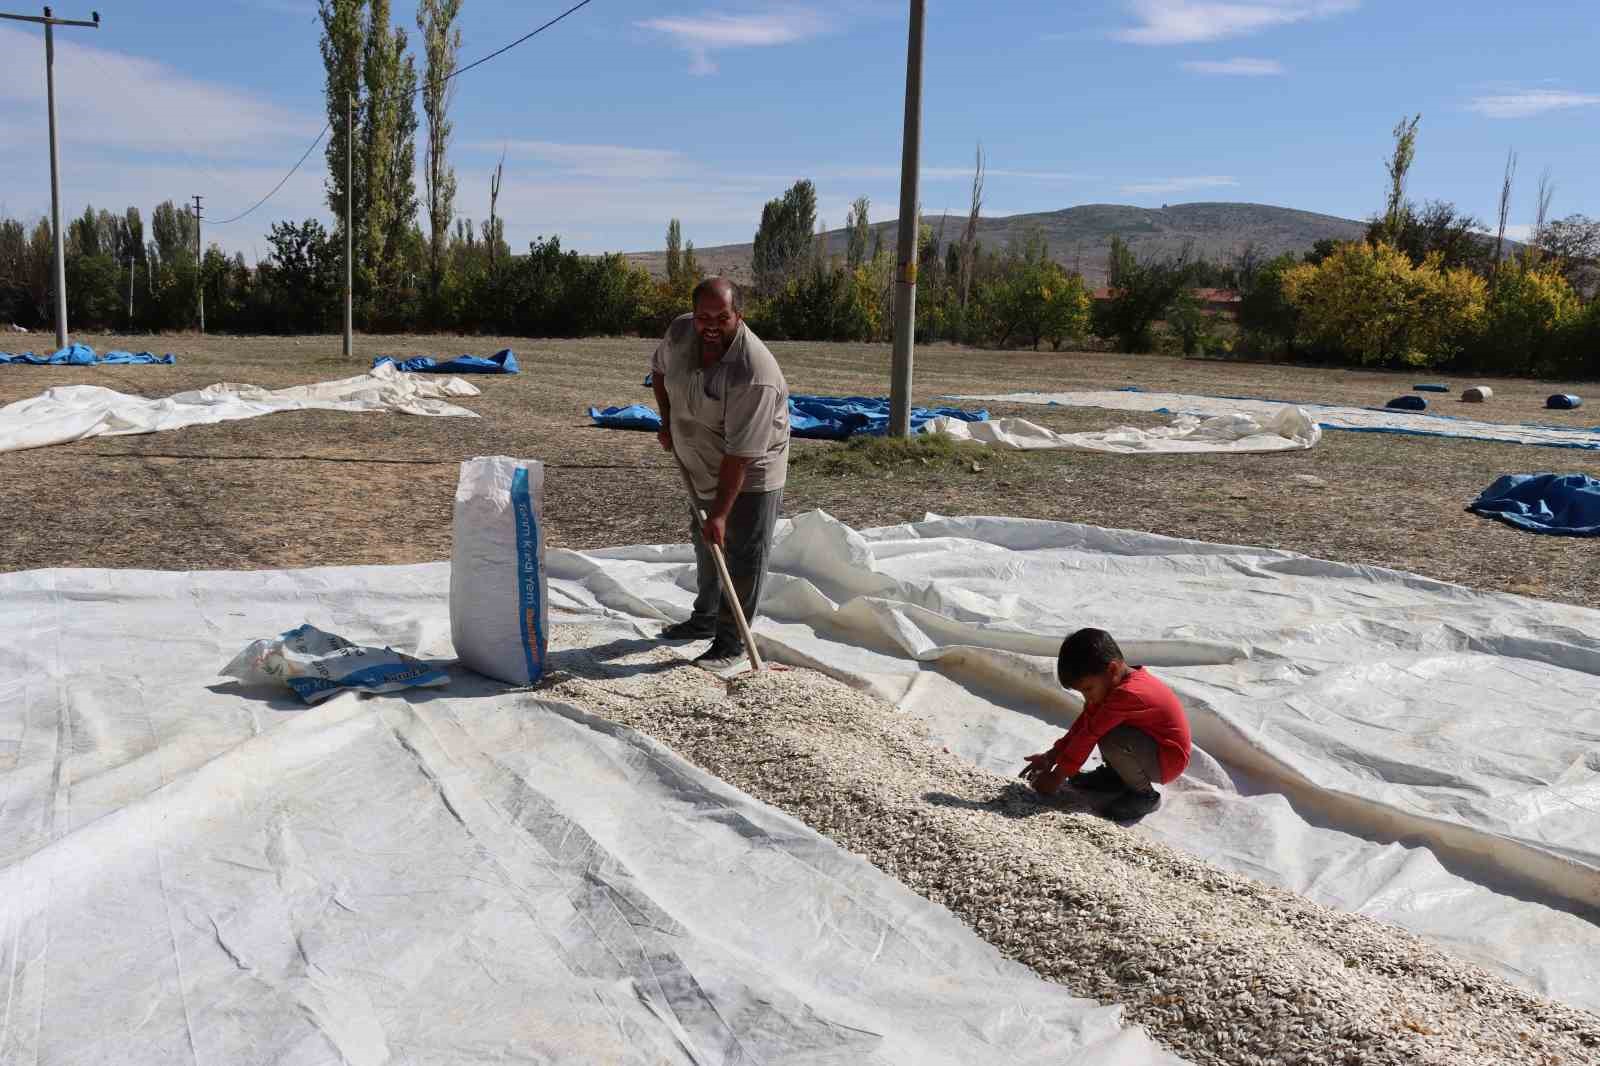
(674, 252)
(1142, 292)
(1398, 165)
(783, 240)
(344, 34)
(1266, 316)
(689, 271)
(441, 42)
(303, 276)
(858, 232)
(389, 154)
(1437, 227)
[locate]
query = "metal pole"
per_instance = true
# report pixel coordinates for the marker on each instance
(349, 218)
(130, 293)
(55, 185)
(49, 22)
(200, 265)
(905, 284)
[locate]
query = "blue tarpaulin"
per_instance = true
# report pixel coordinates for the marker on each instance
(1564, 401)
(1407, 403)
(633, 416)
(1430, 387)
(1564, 504)
(502, 362)
(83, 355)
(811, 417)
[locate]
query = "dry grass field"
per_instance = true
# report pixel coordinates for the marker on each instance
(324, 488)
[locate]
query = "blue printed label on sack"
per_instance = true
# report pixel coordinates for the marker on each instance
(529, 600)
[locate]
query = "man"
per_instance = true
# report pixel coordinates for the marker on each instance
(725, 416)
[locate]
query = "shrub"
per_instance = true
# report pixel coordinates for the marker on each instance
(1524, 323)
(1371, 304)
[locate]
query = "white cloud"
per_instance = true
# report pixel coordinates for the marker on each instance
(1196, 21)
(1249, 68)
(702, 35)
(1171, 185)
(1523, 103)
(107, 99)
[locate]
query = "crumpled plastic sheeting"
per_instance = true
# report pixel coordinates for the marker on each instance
(1361, 419)
(1381, 742)
(77, 412)
(1290, 429)
(195, 872)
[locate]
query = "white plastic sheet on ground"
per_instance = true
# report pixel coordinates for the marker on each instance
(1383, 743)
(1287, 429)
(1326, 415)
(77, 412)
(191, 873)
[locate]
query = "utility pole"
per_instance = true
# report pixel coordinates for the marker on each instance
(349, 218)
(199, 265)
(130, 291)
(905, 282)
(50, 22)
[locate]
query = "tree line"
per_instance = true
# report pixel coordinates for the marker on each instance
(1429, 286)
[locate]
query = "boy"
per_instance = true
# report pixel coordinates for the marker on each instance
(1135, 719)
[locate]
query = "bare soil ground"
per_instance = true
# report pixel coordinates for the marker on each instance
(324, 488)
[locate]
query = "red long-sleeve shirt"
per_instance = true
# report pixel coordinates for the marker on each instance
(1143, 701)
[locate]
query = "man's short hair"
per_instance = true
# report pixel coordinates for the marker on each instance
(1085, 653)
(717, 283)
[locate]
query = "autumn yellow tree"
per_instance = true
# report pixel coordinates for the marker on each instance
(1370, 303)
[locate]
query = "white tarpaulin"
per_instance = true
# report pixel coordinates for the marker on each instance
(78, 412)
(1338, 709)
(194, 873)
(1288, 429)
(1371, 420)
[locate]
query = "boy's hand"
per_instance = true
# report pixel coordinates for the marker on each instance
(1038, 765)
(1041, 773)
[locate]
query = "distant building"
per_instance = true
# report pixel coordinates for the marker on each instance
(1215, 301)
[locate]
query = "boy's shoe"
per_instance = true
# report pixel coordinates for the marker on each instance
(689, 629)
(1131, 805)
(723, 653)
(1101, 779)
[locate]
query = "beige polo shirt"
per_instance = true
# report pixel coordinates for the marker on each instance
(737, 406)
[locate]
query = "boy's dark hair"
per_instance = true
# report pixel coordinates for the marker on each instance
(1086, 652)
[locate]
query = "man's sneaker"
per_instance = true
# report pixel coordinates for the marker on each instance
(689, 629)
(722, 654)
(1131, 805)
(1101, 779)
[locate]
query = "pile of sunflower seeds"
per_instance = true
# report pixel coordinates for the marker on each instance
(1219, 968)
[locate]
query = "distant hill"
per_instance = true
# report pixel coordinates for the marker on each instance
(1079, 237)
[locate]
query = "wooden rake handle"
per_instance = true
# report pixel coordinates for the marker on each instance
(725, 579)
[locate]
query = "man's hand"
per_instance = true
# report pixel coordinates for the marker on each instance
(1041, 773)
(665, 437)
(715, 531)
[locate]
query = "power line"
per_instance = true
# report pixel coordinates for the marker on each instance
(519, 40)
(278, 186)
(453, 74)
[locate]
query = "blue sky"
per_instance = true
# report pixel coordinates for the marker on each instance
(629, 113)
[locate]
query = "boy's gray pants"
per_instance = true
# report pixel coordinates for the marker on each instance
(1134, 755)
(747, 546)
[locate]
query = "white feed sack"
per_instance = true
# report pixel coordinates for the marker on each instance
(498, 615)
